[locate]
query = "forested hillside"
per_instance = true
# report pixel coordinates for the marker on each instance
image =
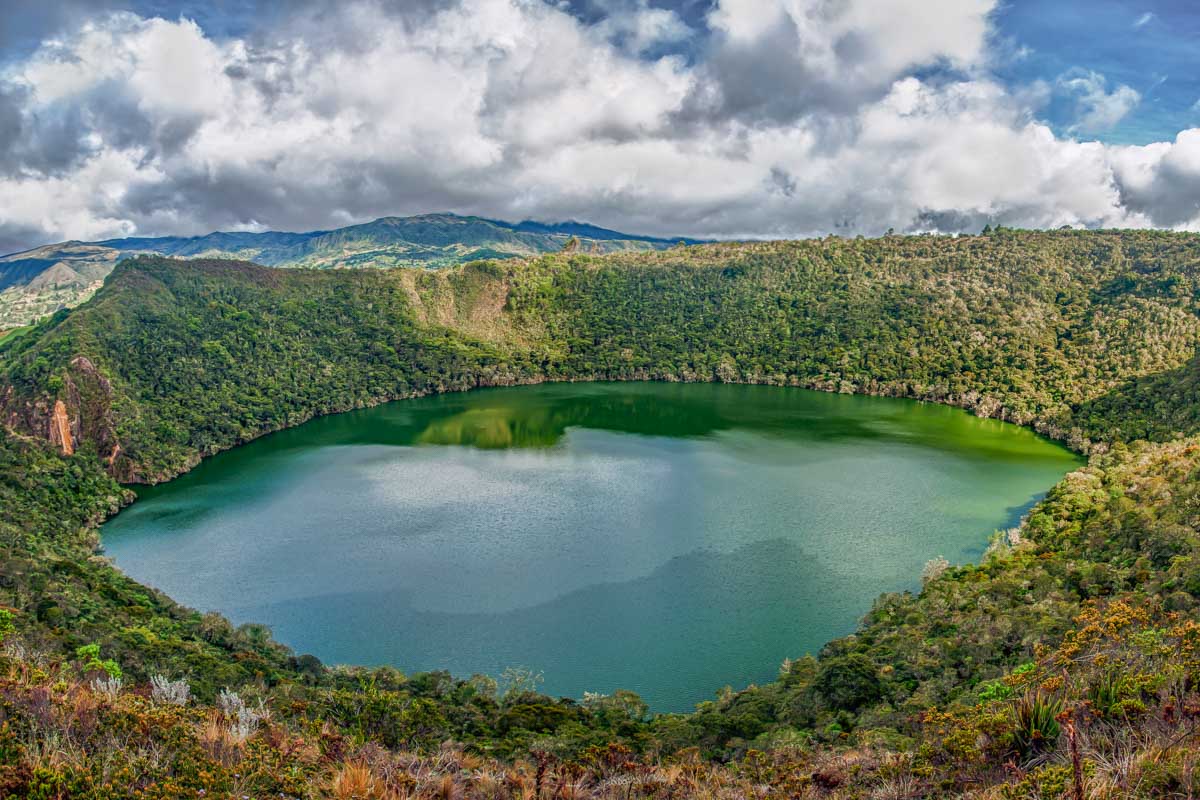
(1066, 659)
(38, 282)
(1065, 331)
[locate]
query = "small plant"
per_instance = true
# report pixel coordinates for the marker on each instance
(246, 723)
(934, 569)
(244, 720)
(1109, 694)
(89, 655)
(229, 702)
(6, 624)
(484, 685)
(352, 781)
(516, 681)
(167, 692)
(1036, 727)
(108, 686)
(994, 690)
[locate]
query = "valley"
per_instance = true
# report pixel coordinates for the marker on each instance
(599, 400)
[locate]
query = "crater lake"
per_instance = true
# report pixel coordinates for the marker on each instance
(669, 539)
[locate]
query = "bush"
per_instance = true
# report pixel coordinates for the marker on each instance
(168, 692)
(849, 682)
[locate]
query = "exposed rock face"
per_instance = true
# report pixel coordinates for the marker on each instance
(60, 429)
(80, 413)
(89, 397)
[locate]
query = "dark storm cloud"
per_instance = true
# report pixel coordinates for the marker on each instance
(241, 196)
(741, 84)
(49, 143)
(785, 73)
(10, 120)
(952, 220)
(14, 238)
(1172, 197)
(57, 138)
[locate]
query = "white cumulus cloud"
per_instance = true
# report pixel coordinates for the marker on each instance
(795, 117)
(1097, 109)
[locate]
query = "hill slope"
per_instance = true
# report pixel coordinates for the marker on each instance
(1056, 330)
(40, 281)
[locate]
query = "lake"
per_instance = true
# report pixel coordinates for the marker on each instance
(671, 539)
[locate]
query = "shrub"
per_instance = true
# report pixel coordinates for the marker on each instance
(934, 568)
(109, 687)
(6, 624)
(244, 720)
(173, 693)
(89, 656)
(849, 682)
(994, 690)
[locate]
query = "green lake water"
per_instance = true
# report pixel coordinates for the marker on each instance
(671, 539)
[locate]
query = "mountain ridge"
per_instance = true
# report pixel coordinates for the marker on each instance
(37, 282)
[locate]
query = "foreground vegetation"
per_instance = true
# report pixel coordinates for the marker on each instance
(1066, 661)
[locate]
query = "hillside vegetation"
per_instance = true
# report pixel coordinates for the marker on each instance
(1067, 660)
(38, 282)
(1065, 331)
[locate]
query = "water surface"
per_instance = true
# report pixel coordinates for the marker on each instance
(666, 538)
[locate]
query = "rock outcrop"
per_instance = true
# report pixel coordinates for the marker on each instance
(60, 429)
(80, 412)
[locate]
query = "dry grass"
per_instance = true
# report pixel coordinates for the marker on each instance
(62, 737)
(353, 781)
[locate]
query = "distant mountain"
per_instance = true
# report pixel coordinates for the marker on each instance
(41, 281)
(38, 282)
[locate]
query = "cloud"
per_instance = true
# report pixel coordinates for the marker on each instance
(794, 118)
(782, 59)
(1096, 108)
(1162, 181)
(405, 118)
(642, 29)
(1143, 20)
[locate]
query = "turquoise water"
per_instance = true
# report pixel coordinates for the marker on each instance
(671, 539)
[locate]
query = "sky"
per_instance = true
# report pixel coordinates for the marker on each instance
(703, 118)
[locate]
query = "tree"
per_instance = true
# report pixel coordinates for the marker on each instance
(849, 682)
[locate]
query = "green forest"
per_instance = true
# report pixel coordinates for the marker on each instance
(1065, 664)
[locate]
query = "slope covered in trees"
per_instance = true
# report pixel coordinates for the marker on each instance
(38, 282)
(1084, 614)
(1063, 330)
